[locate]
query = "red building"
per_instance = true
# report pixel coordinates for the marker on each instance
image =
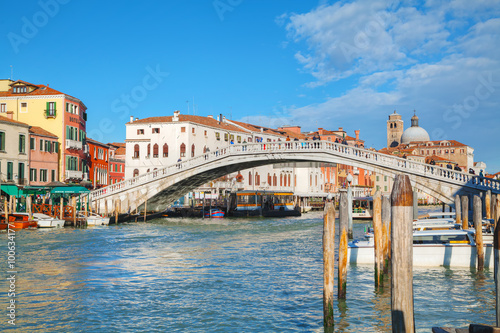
(43, 156)
(116, 162)
(98, 163)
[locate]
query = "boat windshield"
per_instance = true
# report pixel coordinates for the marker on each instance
(441, 239)
(247, 199)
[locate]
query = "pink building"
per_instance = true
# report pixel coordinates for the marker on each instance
(44, 156)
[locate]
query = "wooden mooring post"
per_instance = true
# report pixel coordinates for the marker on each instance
(386, 229)
(415, 205)
(116, 211)
(493, 207)
(349, 213)
(73, 204)
(28, 207)
(465, 212)
(496, 253)
(61, 208)
(478, 225)
(487, 204)
(328, 262)
(497, 211)
(403, 319)
(343, 240)
(106, 207)
(458, 210)
(6, 211)
(377, 239)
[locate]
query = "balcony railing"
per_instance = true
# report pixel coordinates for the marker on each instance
(73, 174)
(73, 144)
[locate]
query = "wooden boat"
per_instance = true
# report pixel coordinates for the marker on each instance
(19, 221)
(214, 213)
(46, 221)
(450, 248)
(93, 219)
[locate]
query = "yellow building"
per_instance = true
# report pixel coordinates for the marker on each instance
(54, 111)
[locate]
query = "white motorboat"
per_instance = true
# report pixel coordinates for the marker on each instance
(451, 248)
(46, 221)
(93, 219)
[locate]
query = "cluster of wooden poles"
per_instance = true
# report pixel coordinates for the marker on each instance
(393, 245)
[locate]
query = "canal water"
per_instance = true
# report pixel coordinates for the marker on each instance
(213, 275)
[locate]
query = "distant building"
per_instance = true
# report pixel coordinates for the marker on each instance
(43, 156)
(14, 151)
(98, 163)
(59, 113)
(116, 162)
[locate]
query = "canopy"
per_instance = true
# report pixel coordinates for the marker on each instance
(28, 190)
(69, 190)
(10, 189)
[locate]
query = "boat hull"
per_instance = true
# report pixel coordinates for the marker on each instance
(435, 255)
(22, 224)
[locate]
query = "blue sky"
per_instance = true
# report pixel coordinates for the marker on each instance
(285, 62)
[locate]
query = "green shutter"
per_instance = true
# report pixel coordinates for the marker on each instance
(47, 109)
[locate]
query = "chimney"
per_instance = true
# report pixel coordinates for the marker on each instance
(220, 117)
(136, 119)
(320, 130)
(131, 119)
(357, 134)
(341, 129)
(210, 116)
(224, 119)
(10, 114)
(176, 115)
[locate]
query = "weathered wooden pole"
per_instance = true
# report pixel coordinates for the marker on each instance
(328, 262)
(73, 204)
(377, 239)
(349, 213)
(497, 210)
(478, 224)
(28, 207)
(493, 206)
(61, 209)
(14, 204)
(6, 210)
(386, 228)
(106, 207)
(487, 204)
(116, 210)
(465, 212)
(496, 253)
(85, 205)
(403, 319)
(343, 240)
(458, 210)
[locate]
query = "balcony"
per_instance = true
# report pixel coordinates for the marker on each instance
(86, 149)
(73, 174)
(72, 144)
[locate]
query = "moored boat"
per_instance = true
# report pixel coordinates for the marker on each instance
(46, 221)
(93, 219)
(362, 208)
(19, 221)
(451, 248)
(214, 213)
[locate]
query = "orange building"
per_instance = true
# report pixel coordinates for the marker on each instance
(98, 162)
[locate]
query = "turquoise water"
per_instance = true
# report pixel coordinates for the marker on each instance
(214, 275)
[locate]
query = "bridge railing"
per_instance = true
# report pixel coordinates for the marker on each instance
(355, 153)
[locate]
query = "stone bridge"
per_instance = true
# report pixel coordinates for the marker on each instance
(169, 183)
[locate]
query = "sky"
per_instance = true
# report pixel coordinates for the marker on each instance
(272, 63)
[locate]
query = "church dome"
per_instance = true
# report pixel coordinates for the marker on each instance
(415, 132)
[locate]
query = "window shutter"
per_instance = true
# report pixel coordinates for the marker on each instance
(47, 110)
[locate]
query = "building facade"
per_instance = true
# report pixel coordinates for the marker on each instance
(98, 163)
(116, 162)
(14, 155)
(43, 156)
(58, 113)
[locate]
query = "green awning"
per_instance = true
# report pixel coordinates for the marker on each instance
(69, 190)
(30, 190)
(9, 189)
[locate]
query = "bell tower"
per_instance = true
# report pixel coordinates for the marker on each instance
(395, 128)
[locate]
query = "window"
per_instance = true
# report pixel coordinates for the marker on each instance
(192, 150)
(378, 178)
(52, 175)
(238, 138)
(148, 150)
(32, 175)
(183, 129)
(2, 141)
(22, 143)
(192, 130)
(140, 131)
(43, 175)
(385, 188)
(281, 179)
(249, 178)
(257, 179)
(217, 136)
(41, 145)
(232, 137)
(156, 130)
(56, 147)
(206, 133)
(183, 150)
(136, 172)
(19, 89)
(10, 170)
(3, 107)
(269, 180)
(136, 151)
(48, 146)
(275, 180)
(32, 143)
(20, 173)
(155, 150)
(50, 111)
(226, 136)
(165, 150)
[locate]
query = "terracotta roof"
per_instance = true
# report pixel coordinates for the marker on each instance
(189, 118)
(117, 144)
(89, 140)
(40, 131)
(256, 128)
(453, 143)
(8, 120)
(120, 151)
(40, 90)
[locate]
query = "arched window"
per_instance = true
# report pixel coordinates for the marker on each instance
(165, 150)
(289, 183)
(149, 150)
(281, 179)
(183, 150)
(192, 150)
(136, 151)
(284, 180)
(395, 125)
(155, 150)
(269, 180)
(257, 179)
(136, 172)
(249, 178)
(275, 180)
(391, 125)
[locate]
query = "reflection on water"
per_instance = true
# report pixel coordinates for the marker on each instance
(211, 275)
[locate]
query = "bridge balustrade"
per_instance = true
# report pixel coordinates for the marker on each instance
(355, 153)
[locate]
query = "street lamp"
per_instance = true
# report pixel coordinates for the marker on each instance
(349, 179)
